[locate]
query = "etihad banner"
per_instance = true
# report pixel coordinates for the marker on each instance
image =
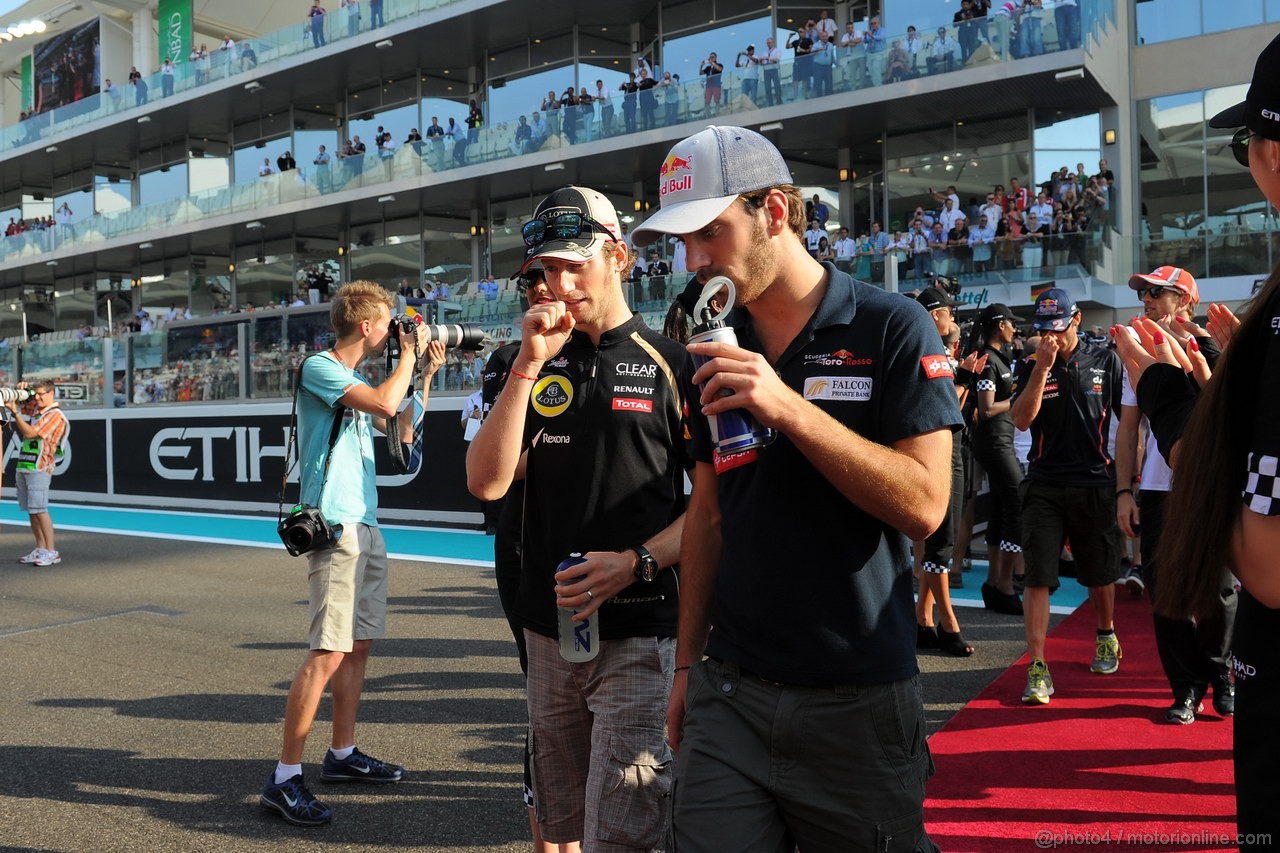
(173, 20)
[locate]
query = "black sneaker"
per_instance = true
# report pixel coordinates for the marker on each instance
(1183, 710)
(294, 802)
(358, 767)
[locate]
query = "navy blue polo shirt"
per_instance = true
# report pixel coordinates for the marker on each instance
(811, 589)
(1069, 435)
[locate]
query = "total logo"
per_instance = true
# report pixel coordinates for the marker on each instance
(837, 358)
(626, 404)
(668, 179)
(648, 371)
(552, 395)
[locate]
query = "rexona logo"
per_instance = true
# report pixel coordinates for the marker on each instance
(626, 404)
(837, 358)
(669, 179)
(544, 437)
(648, 371)
(552, 395)
(837, 388)
(937, 367)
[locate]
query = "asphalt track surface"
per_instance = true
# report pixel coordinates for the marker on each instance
(142, 687)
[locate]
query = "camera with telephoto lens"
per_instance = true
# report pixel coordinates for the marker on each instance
(15, 395)
(948, 284)
(306, 530)
(467, 336)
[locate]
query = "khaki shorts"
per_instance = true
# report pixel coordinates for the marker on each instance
(598, 749)
(33, 491)
(348, 590)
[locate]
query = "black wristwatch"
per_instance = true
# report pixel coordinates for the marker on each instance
(646, 565)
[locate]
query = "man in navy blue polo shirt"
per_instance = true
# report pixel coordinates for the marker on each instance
(1067, 394)
(803, 725)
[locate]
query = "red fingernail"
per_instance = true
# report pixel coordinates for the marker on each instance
(1193, 345)
(1158, 337)
(1182, 320)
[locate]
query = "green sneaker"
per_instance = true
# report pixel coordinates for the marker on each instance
(1039, 684)
(1107, 658)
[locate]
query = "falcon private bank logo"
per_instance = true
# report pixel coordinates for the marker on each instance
(669, 179)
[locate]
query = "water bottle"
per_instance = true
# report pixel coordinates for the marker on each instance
(579, 641)
(737, 429)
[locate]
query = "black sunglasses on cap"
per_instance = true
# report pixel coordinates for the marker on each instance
(1240, 145)
(530, 280)
(1155, 291)
(562, 226)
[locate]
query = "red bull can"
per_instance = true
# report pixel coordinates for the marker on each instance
(735, 430)
(579, 641)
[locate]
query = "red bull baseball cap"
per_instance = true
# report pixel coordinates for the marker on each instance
(705, 173)
(1260, 109)
(572, 224)
(1174, 277)
(1054, 310)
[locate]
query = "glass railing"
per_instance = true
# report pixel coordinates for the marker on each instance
(737, 94)
(247, 59)
(252, 357)
(1235, 252)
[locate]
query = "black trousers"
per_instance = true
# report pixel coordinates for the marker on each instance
(1004, 475)
(1194, 655)
(940, 545)
(1257, 737)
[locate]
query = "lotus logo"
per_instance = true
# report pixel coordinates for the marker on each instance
(552, 395)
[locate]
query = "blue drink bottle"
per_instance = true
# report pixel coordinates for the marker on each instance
(735, 430)
(579, 641)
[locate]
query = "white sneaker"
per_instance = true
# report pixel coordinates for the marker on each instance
(48, 558)
(32, 557)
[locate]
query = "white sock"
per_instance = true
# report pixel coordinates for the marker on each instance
(285, 772)
(344, 753)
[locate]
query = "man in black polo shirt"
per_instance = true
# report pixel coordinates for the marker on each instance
(804, 725)
(594, 403)
(1067, 394)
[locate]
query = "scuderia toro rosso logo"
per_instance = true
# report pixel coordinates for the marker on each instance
(552, 395)
(669, 179)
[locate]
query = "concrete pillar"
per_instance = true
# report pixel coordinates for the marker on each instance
(144, 41)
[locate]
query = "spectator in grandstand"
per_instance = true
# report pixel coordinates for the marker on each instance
(488, 288)
(874, 41)
(944, 53)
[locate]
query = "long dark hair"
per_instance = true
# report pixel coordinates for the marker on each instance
(1204, 507)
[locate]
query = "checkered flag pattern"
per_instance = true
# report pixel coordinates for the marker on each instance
(1262, 489)
(1010, 547)
(986, 385)
(934, 568)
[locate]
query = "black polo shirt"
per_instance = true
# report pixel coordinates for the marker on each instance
(608, 448)
(996, 377)
(811, 589)
(1069, 435)
(1262, 482)
(493, 380)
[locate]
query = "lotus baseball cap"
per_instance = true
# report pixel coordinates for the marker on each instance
(1260, 109)
(702, 175)
(598, 225)
(932, 297)
(996, 312)
(1054, 310)
(1174, 277)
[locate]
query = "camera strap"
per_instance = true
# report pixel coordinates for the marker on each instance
(291, 450)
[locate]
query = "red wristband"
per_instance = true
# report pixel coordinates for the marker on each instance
(515, 372)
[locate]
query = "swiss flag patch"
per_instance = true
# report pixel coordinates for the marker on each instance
(937, 367)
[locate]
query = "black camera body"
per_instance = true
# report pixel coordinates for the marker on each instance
(305, 530)
(467, 336)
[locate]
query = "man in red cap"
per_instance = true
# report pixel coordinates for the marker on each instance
(1192, 653)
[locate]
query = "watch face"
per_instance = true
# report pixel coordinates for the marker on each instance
(649, 569)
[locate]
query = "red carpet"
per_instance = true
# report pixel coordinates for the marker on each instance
(1096, 768)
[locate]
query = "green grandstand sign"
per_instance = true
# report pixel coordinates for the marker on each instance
(28, 87)
(173, 19)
